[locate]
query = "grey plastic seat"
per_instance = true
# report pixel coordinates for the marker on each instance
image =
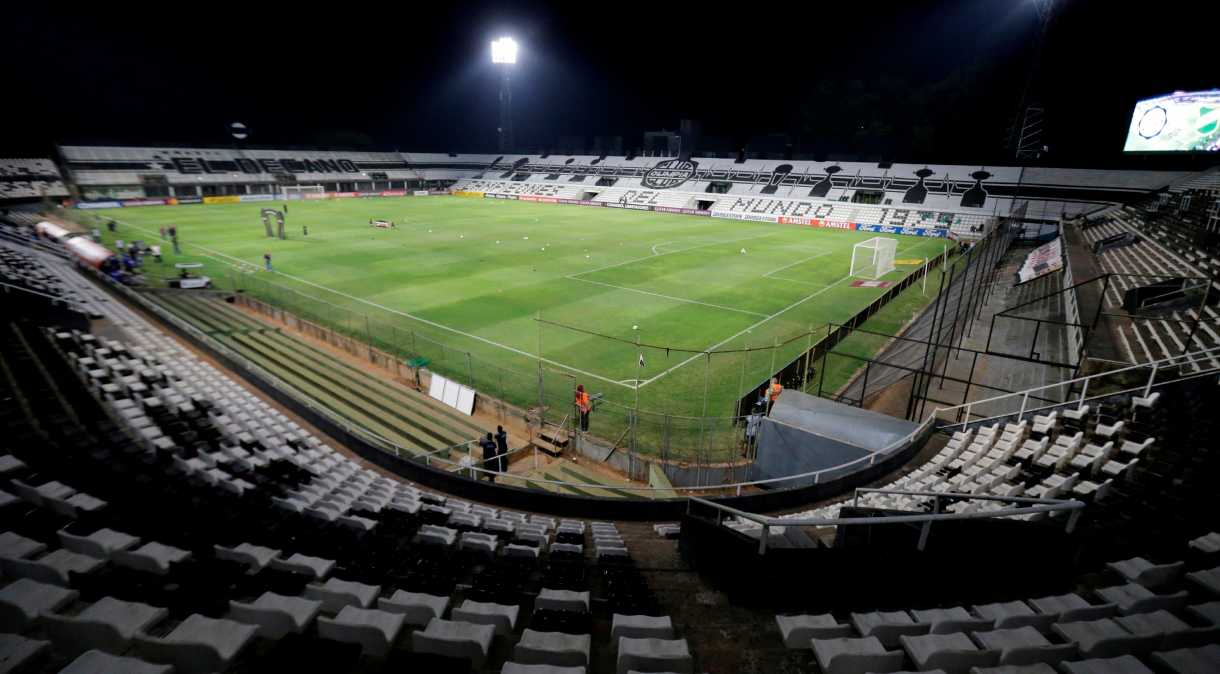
(17, 546)
(455, 639)
(640, 627)
(654, 655)
(1134, 598)
(52, 567)
(298, 563)
(107, 625)
(553, 648)
(562, 600)
(418, 608)
(336, 594)
(1024, 646)
(276, 615)
(18, 652)
(1011, 614)
(1071, 607)
(1141, 571)
(152, 557)
(521, 668)
(1201, 660)
(953, 653)
(22, 600)
(375, 631)
(101, 543)
(199, 644)
(888, 626)
(502, 617)
(1124, 664)
(97, 662)
(843, 655)
(798, 630)
(254, 556)
(950, 620)
(1104, 638)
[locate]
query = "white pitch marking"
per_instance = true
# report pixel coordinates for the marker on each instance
(804, 259)
(667, 297)
(241, 263)
(655, 246)
(760, 322)
(680, 250)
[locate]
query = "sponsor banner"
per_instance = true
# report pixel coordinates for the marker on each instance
(754, 217)
(839, 225)
(368, 194)
(132, 203)
(315, 195)
(906, 231)
(257, 197)
(862, 283)
(511, 197)
(683, 211)
(581, 202)
(544, 200)
(343, 195)
(793, 220)
(909, 261)
(229, 199)
(189, 200)
(395, 193)
(86, 205)
(467, 193)
(420, 193)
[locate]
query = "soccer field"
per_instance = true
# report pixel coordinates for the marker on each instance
(473, 275)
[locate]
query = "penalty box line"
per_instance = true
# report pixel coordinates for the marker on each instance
(722, 342)
(240, 264)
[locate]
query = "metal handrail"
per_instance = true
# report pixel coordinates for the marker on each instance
(1155, 366)
(1035, 505)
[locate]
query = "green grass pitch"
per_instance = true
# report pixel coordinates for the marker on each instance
(472, 275)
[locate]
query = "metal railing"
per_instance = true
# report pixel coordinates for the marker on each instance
(1023, 506)
(962, 413)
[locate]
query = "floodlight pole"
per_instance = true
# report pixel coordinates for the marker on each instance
(507, 141)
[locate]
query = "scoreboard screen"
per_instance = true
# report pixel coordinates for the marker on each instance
(1178, 122)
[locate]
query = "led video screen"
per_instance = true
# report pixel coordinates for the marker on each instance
(1178, 122)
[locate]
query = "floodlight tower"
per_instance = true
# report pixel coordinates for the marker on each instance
(504, 55)
(1028, 124)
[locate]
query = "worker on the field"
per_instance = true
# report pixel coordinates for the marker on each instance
(773, 392)
(583, 406)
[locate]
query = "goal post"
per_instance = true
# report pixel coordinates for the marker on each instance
(291, 192)
(873, 258)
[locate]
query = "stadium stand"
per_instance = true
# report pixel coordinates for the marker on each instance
(159, 514)
(30, 179)
(1162, 238)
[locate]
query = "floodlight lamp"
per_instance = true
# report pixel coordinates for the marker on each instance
(504, 50)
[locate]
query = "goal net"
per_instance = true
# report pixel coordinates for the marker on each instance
(289, 192)
(874, 258)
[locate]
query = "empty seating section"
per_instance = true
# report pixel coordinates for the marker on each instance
(1173, 241)
(30, 179)
(157, 514)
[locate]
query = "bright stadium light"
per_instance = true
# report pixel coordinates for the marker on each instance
(504, 50)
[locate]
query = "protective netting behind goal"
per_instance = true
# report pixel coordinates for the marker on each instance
(873, 258)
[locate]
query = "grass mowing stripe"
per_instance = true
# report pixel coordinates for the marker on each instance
(310, 388)
(419, 401)
(422, 414)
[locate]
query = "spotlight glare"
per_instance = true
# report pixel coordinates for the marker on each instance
(504, 50)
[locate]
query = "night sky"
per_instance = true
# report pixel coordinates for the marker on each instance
(920, 81)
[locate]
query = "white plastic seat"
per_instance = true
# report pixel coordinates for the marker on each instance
(23, 600)
(855, 656)
(654, 655)
(418, 608)
(887, 626)
(1104, 638)
(108, 625)
(501, 616)
(335, 594)
(152, 557)
(553, 648)
(455, 639)
(562, 600)
(97, 662)
(198, 644)
(376, 631)
(1144, 572)
(276, 615)
(799, 630)
(101, 543)
(640, 626)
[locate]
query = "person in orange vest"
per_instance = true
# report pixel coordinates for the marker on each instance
(583, 406)
(773, 392)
